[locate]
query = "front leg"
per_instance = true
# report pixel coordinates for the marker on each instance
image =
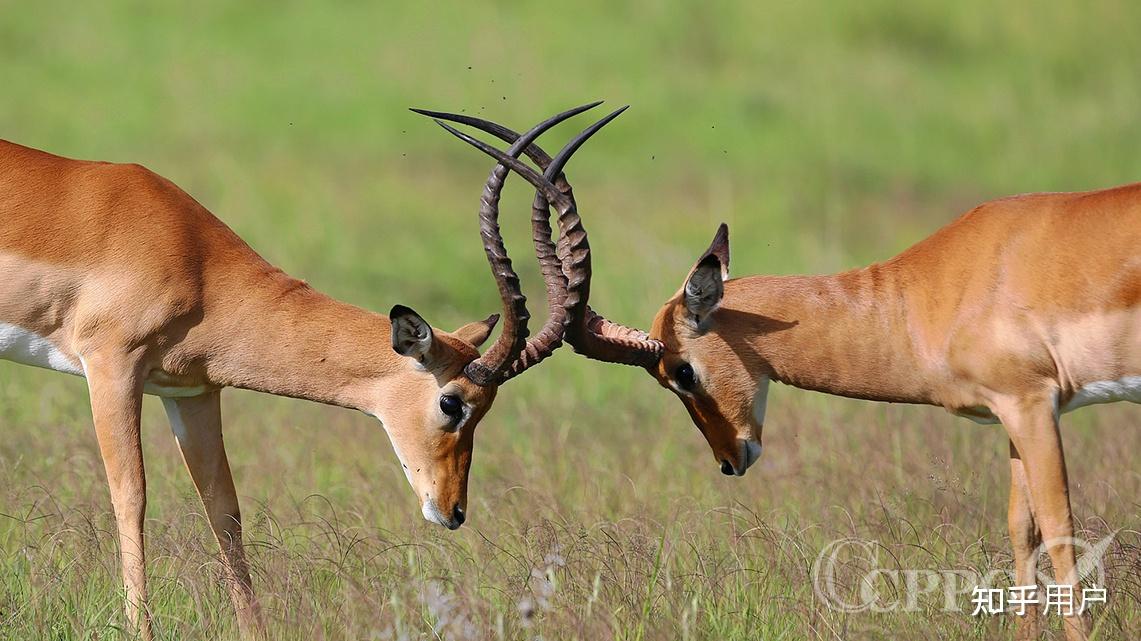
(1033, 429)
(197, 425)
(1025, 537)
(115, 383)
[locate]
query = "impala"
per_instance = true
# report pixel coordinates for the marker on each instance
(113, 273)
(1020, 310)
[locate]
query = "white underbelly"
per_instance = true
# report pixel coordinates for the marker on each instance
(1123, 389)
(28, 348)
(1126, 389)
(166, 391)
(21, 346)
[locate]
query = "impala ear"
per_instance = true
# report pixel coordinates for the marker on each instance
(705, 287)
(476, 333)
(411, 334)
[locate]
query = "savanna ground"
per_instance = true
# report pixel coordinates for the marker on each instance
(826, 135)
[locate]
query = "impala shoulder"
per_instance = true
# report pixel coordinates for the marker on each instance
(135, 183)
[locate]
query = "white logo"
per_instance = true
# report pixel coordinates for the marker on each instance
(848, 576)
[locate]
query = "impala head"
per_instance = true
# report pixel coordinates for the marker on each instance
(688, 350)
(703, 364)
(431, 408)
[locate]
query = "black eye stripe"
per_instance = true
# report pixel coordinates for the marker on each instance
(685, 377)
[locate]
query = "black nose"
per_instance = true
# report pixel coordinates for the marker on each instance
(727, 468)
(458, 515)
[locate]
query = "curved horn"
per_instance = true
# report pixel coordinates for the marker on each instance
(512, 352)
(589, 333)
(550, 336)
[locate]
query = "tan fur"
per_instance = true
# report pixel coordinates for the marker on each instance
(1007, 312)
(132, 279)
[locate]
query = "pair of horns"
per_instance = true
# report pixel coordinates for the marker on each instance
(565, 267)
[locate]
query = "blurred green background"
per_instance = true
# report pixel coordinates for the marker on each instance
(827, 135)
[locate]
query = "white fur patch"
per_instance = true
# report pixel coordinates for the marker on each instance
(27, 348)
(166, 391)
(432, 513)
(403, 465)
(395, 449)
(177, 425)
(1123, 389)
(981, 415)
(761, 401)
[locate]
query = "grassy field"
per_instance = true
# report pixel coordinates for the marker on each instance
(827, 135)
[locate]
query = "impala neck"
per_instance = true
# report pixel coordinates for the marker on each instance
(845, 334)
(290, 340)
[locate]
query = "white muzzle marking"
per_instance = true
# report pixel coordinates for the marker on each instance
(432, 513)
(752, 453)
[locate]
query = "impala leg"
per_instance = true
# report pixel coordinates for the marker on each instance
(1025, 537)
(197, 425)
(1033, 429)
(116, 389)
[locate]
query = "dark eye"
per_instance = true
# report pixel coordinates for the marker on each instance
(684, 376)
(451, 405)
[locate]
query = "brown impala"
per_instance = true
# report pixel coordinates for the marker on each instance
(1020, 310)
(113, 273)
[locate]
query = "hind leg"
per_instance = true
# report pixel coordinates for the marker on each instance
(1025, 537)
(197, 425)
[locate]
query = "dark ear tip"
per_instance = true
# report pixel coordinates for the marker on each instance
(720, 245)
(721, 238)
(400, 310)
(492, 321)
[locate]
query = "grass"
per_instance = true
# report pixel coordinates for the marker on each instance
(827, 135)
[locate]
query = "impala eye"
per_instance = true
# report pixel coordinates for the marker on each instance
(684, 376)
(451, 405)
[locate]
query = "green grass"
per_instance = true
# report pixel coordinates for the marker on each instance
(826, 134)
